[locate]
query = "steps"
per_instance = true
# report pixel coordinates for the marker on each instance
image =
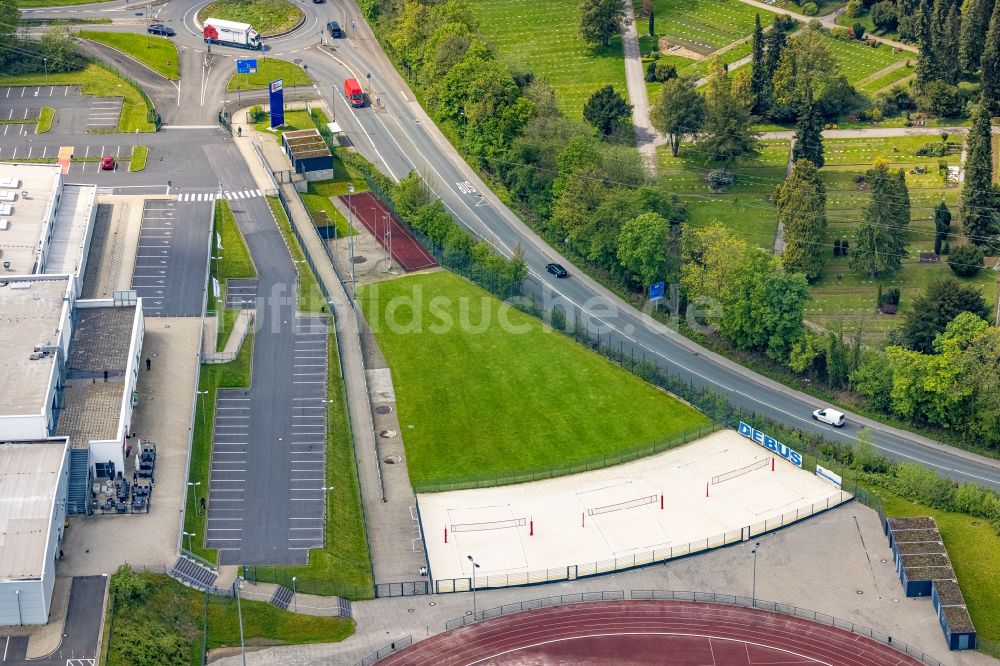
(193, 574)
(79, 482)
(281, 598)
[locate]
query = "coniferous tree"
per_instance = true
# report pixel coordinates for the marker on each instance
(978, 217)
(927, 63)
(801, 202)
(991, 62)
(881, 244)
(946, 47)
(942, 225)
(809, 132)
(759, 79)
(975, 22)
(775, 42)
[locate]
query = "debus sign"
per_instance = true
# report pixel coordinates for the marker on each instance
(791, 455)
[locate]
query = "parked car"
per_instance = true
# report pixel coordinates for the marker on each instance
(318, 2)
(556, 270)
(107, 163)
(334, 29)
(831, 416)
(160, 29)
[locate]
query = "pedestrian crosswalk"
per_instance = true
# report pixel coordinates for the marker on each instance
(212, 196)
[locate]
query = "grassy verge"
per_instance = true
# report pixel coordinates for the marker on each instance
(974, 549)
(310, 296)
(55, 3)
(233, 263)
(558, 405)
(138, 160)
(33, 23)
(170, 623)
(45, 117)
(267, 71)
(294, 120)
(343, 566)
(157, 53)
(235, 374)
(315, 202)
(96, 80)
(268, 17)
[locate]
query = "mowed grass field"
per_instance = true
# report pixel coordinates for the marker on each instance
(544, 37)
(485, 390)
(859, 61)
(157, 53)
(704, 26)
(746, 207)
(844, 296)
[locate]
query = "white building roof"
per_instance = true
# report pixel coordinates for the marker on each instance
(30, 315)
(28, 217)
(29, 478)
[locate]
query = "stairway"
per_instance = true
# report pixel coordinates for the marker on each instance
(79, 482)
(193, 574)
(281, 598)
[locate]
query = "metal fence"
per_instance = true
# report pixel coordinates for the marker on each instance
(412, 588)
(574, 571)
(534, 604)
(378, 655)
(788, 609)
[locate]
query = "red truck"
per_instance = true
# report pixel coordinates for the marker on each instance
(353, 93)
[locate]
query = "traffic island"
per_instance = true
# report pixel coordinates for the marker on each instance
(268, 17)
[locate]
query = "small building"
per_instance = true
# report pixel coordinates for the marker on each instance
(34, 478)
(309, 154)
(953, 615)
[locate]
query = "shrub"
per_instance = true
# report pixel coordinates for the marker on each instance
(896, 100)
(810, 9)
(844, 247)
(941, 98)
(934, 149)
(784, 22)
(720, 179)
(855, 9)
(859, 31)
(836, 248)
(966, 260)
(843, 34)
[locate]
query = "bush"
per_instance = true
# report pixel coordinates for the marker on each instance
(966, 260)
(896, 100)
(934, 149)
(942, 99)
(858, 30)
(810, 9)
(784, 22)
(855, 9)
(836, 248)
(256, 113)
(885, 16)
(719, 180)
(659, 71)
(841, 33)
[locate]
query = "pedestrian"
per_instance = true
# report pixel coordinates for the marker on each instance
(149, 363)
(202, 502)
(239, 131)
(105, 376)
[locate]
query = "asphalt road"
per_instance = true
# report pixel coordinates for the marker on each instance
(401, 137)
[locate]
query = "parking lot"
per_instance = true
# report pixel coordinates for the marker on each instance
(227, 476)
(76, 113)
(86, 159)
(241, 294)
(170, 263)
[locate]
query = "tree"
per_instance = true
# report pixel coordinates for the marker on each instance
(884, 15)
(651, 23)
(990, 62)
(858, 30)
(801, 202)
(881, 243)
(600, 20)
(808, 61)
(642, 247)
(9, 18)
(941, 302)
(760, 77)
(978, 199)
(940, 44)
(728, 133)
(678, 111)
(809, 132)
(942, 225)
(975, 22)
(966, 260)
(606, 110)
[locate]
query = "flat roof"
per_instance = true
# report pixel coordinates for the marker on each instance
(69, 230)
(19, 241)
(29, 477)
(306, 143)
(30, 315)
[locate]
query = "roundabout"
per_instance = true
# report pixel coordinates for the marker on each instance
(268, 17)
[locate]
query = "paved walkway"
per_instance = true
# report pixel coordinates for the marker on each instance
(646, 138)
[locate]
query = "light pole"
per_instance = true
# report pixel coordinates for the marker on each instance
(239, 613)
(201, 396)
(350, 239)
(20, 618)
(326, 501)
(47, 73)
(475, 565)
(195, 484)
(295, 602)
(753, 592)
(189, 535)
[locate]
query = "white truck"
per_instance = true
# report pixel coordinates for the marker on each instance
(231, 33)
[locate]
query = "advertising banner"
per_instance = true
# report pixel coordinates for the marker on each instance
(768, 442)
(277, 103)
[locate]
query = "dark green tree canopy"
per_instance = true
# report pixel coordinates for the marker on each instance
(607, 111)
(941, 302)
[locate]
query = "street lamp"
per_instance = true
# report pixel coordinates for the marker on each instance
(201, 395)
(753, 593)
(189, 535)
(239, 613)
(295, 602)
(475, 565)
(195, 484)
(326, 501)
(350, 239)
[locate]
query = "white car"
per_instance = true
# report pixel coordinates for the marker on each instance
(831, 416)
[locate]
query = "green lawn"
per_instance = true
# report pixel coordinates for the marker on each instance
(887, 78)
(294, 120)
(316, 202)
(45, 117)
(974, 549)
(310, 296)
(704, 26)
(544, 38)
(233, 263)
(95, 80)
(157, 53)
(138, 160)
(343, 566)
(268, 70)
(171, 623)
(859, 61)
(268, 17)
(501, 394)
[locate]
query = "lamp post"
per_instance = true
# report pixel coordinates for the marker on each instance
(295, 602)
(189, 535)
(201, 395)
(350, 239)
(753, 592)
(195, 484)
(475, 565)
(20, 618)
(326, 501)
(239, 613)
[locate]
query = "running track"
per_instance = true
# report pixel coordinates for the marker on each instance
(406, 249)
(642, 633)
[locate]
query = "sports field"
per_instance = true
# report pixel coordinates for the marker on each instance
(544, 38)
(484, 390)
(705, 26)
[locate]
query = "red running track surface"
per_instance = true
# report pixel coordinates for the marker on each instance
(643, 633)
(406, 249)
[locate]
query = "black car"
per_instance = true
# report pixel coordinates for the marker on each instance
(334, 29)
(556, 270)
(160, 29)
(318, 2)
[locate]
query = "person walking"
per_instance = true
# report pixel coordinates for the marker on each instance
(149, 363)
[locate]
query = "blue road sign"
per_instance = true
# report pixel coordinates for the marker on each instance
(656, 290)
(277, 103)
(246, 66)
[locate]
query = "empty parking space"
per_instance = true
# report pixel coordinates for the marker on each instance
(72, 108)
(170, 261)
(241, 294)
(227, 476)
(86, 159)
(104, 113)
